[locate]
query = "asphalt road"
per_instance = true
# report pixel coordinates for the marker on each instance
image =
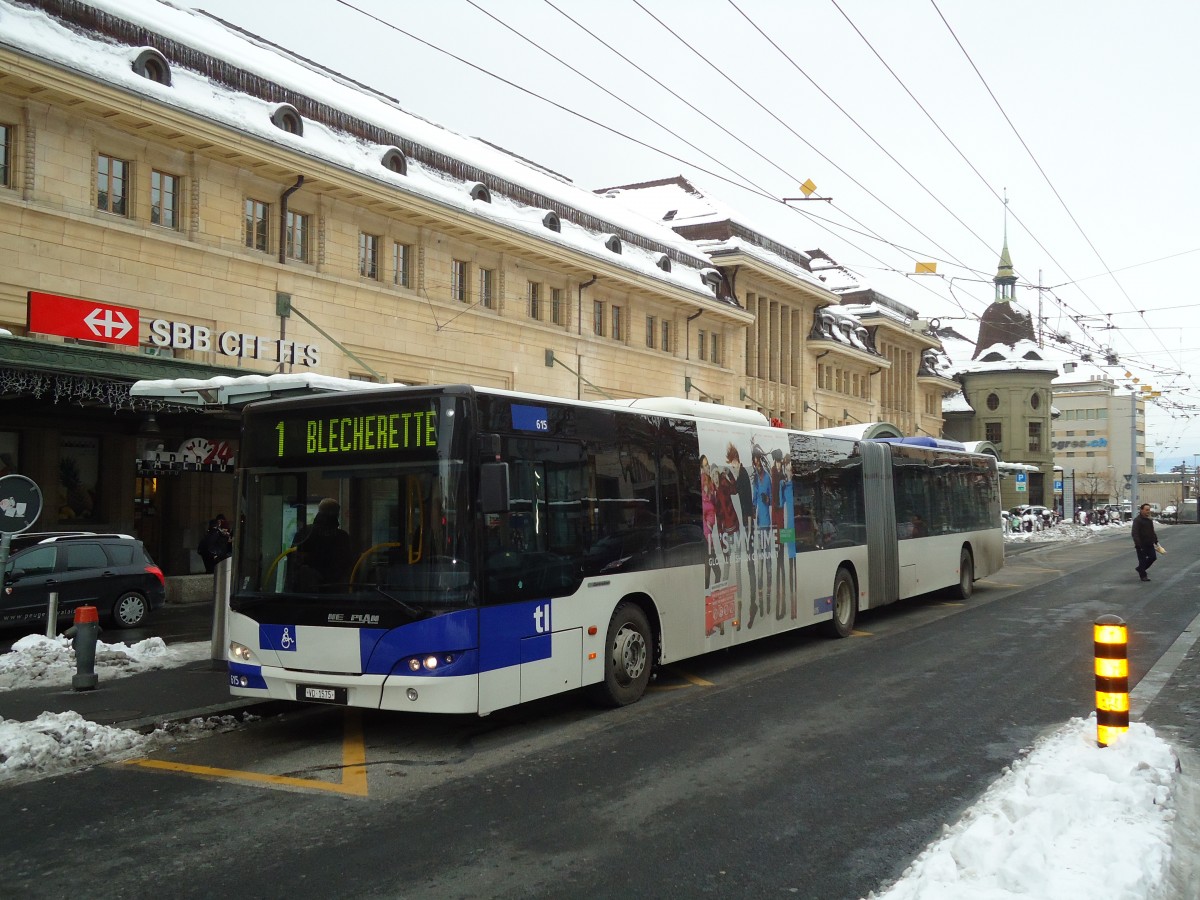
(799, 766)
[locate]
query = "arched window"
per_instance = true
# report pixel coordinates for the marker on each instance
(1035, 400)
(663, 262)
(479, 191)
(613, 243)
(287, 118)
(151, 64)
(993, 402)
(551, 221)
(394, 161)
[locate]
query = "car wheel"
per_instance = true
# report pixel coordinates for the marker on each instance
(628, 658)
(130, 610)
(966, 576)
(845, 605)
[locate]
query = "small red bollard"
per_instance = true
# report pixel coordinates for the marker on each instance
(84, 634)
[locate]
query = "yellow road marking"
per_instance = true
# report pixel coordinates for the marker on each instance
(354, 769)
(694, 679)
(857, 633)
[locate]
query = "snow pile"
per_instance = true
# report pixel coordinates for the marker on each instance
(39, 661)
(1071, 819)
(60, 742)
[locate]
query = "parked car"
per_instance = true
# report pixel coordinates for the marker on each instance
(112, 572)
(1170, 513)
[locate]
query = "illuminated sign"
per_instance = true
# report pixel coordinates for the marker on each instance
(355, 434)
(184, 336)
(361, 433)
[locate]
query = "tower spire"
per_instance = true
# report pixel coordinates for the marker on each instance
(1006, 278)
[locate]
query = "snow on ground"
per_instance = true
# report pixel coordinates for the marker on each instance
(60, 742)
(39, 661)
(1071, 819)
(54, 743)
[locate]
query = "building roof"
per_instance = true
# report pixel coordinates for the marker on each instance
(240, 81)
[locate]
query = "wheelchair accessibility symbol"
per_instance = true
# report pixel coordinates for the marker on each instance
(282, 638)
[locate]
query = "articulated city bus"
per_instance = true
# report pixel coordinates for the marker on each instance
(456, 549)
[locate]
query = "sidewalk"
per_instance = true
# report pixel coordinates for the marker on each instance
(138, 702)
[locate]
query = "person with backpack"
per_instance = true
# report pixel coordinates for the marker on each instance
(216, 544)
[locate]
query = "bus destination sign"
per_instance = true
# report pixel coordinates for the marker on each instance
(324, 435)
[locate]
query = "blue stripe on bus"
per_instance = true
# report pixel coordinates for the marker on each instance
(505, 635)
(252, 674)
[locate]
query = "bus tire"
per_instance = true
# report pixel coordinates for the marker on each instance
(845, 605)
(966, 576)
(628, 658)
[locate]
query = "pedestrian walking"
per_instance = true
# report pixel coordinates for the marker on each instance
(1144, 540)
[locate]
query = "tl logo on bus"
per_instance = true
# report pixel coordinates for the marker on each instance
(541, 618)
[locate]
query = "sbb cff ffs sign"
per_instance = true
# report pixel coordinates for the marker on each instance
(85, 320)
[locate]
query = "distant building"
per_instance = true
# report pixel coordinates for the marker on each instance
(1006, 396)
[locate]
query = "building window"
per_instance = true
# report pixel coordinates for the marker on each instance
(598, 317)
(665, 344)
(1035, 400)
(296, 238)
(715, 356)
(703, 345)
(400, 257)
(112, 183)
(368, 255)
(651, 331)
(6, 135)
(256, 224)
(164, 199)
(1035, 437)
(618, 326)
(487, 280)
(558, 307)
(458, 280)
(534, 296)
(992, 432)
(993, 402)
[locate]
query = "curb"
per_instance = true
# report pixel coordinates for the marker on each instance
(261, 708)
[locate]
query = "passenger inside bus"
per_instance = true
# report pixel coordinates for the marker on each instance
(324, 552)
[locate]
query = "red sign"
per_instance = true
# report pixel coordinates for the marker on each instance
(86, 320)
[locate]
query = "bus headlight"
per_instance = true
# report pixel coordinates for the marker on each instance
(430, 662)
(240, 652)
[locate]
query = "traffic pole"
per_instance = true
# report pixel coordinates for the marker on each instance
(84, 634)
(1111, 637)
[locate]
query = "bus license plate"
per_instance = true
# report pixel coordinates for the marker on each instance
(314, 694)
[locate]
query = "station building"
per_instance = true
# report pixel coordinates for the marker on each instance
(181, 202)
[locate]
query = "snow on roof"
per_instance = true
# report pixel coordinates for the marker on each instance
(956, 403)
(93, 55)
(228, 390)
(676, 201)
(679, 202)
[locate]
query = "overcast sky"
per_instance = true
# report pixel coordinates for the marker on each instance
(1082, 112)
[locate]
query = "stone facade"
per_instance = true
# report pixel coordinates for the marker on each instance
(241, 250)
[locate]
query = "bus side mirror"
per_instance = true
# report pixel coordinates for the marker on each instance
(493, 487)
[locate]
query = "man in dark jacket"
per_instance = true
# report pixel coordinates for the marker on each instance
(1144, 540)
(216, 544)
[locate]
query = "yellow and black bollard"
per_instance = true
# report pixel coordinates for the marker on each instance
(1112, 679)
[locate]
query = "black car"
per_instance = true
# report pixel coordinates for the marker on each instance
(112, 572)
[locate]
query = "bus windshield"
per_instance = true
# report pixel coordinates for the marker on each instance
(358, 510)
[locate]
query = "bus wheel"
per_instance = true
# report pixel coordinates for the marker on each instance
(966, 576)
(845, 605)
(627, 658)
